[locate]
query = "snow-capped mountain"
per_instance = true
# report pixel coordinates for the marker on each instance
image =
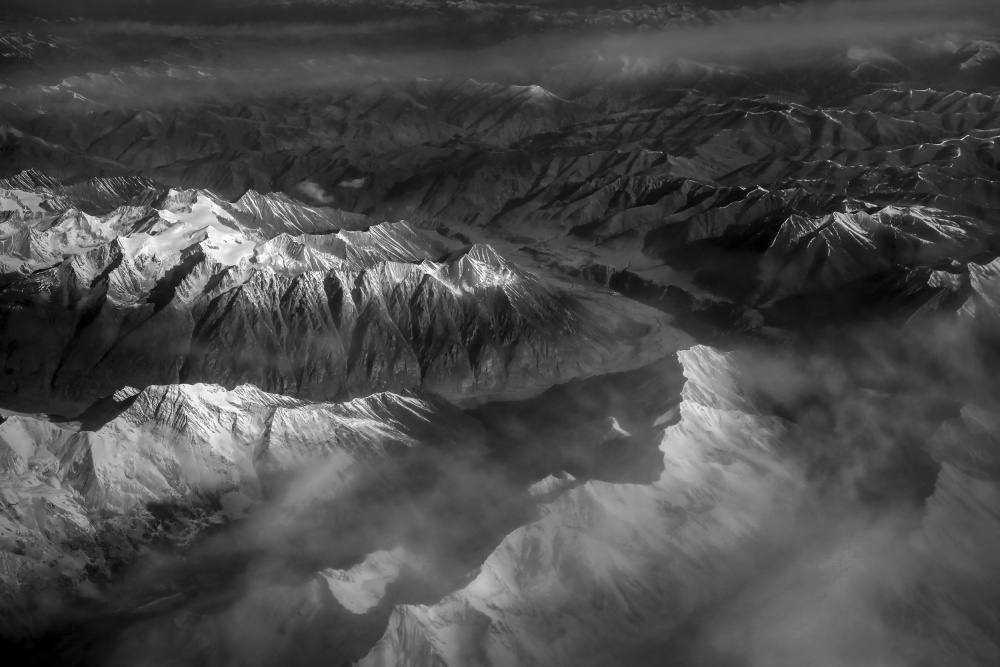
(488, 334)
(281, 295)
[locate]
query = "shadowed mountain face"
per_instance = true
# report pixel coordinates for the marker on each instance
(192, 289)
(492, 334)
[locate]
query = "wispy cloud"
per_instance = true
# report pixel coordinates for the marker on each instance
(315, 192)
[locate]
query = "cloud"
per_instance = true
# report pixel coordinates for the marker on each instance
(315, 192)
(823, 605)
(240, 58)
(865, 575)
(809, 29)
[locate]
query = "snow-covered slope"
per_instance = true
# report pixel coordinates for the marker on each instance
(200, 449)
(732, 554)
(197, 291)
(611, 568)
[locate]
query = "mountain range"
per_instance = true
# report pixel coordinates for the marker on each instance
(499, 334)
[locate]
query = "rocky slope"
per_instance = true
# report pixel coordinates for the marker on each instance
(281, 295)
(80, 498)
(666, 174)
(672, 570)
(195, 491)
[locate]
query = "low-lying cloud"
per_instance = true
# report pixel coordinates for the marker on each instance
(315, 192)
(261, 58)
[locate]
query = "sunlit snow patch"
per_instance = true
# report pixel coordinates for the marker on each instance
(363, 586)
(204, 222)
(22, 201)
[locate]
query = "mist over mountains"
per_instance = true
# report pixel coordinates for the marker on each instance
(420, 333)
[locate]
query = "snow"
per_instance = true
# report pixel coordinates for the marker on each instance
(363, 586)
(602, 555)
(25, 434)
(204, 223)
(210, 393)
(21, 200)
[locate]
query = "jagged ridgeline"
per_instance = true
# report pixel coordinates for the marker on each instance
(115, 282)
(741, 193)
(313, 453)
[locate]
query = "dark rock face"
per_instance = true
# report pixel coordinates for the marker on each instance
(706, 178)
(189, 293)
